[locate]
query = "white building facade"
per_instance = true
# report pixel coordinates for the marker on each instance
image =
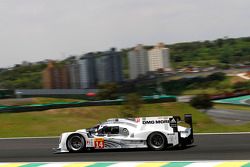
(138, 62)
(158, 58)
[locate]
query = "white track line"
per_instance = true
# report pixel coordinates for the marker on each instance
(17, 138)
(226, 133)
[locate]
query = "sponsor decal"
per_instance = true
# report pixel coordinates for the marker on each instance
(99, 143)
(155, 122)
(173, 122)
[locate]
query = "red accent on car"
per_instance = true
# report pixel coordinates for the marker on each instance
(137, 120)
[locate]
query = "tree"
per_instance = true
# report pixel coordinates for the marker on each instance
(132, 105)
(177, 58)
(202, 102)
(219, 42)
(108, 91)
(217, 76)
(242, 86)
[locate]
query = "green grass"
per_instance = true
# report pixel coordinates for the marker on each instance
(54, 122)
(232, 107)
(200, 91)
(43, 100)
(35, 100)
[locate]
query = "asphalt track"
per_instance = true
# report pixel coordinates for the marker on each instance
(230, 117)
(206, 147)
(247, 101)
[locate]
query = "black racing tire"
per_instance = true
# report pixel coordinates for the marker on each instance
(76, 143)
(157, 141)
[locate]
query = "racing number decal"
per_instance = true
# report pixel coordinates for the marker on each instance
(99, 143)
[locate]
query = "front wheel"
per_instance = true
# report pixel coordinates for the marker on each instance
(157, 141)
(75, 143)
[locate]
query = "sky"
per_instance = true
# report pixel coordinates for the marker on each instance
(35, 30)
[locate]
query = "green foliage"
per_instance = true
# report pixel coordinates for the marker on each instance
(108, 91)
(201, 102)
(242, 86)
(5, 93)
(219, 76)
(22, 77)
(224, 51)
(132, 105)
(183, 84)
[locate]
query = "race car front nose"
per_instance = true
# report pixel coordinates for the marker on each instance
(56, 150)
(60, 139)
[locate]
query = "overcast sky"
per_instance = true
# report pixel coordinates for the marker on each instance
(34, 30)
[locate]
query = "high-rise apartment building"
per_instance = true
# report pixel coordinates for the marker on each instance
(158, 58)
(55, 76)
(74, 75)
(87, 71)
(109, 67)
(138, 62)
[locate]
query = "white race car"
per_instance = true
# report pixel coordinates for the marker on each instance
(156, 133)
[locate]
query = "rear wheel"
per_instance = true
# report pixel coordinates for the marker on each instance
(157, 141)
(75, 143)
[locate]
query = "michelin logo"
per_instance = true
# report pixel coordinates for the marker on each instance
(155, 122)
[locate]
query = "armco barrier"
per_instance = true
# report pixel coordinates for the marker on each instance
(39, 107)
(133, 164)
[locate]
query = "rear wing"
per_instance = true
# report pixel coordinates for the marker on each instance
(188, 119)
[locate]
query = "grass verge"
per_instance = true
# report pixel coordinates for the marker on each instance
(54, 122)
(231, 107)
(35, 100)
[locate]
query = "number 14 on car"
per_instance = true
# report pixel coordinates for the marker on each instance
(99, 143)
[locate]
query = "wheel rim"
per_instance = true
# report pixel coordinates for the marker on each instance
(76, 143)
(157, 141)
